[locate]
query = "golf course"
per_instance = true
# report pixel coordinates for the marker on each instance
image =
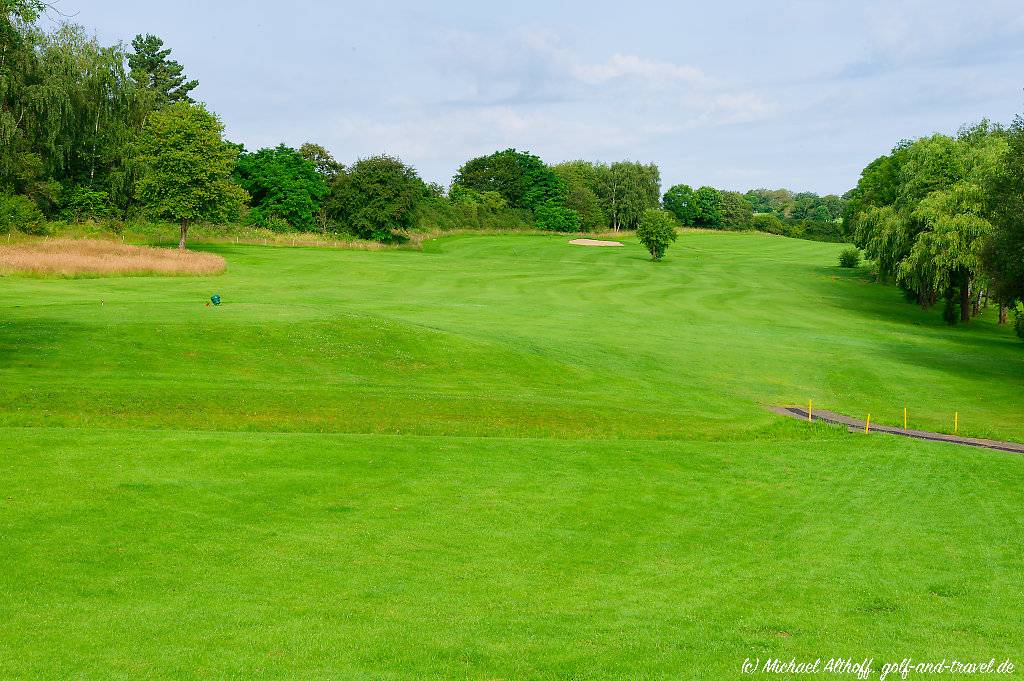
(500, 456)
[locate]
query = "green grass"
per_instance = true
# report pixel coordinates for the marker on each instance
(501, 457)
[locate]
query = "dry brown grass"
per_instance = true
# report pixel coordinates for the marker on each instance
(93, 257)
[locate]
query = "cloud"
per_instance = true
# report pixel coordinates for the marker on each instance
(631, 66)
(917, 34)
(535, 66)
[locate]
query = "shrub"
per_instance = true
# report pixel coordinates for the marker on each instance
(444, 214)
(19, 212)
(766, 222)
(556, 218)
(657, 229)
(81, 204)
(849, 257)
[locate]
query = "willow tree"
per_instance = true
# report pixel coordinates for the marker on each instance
(919, 213)
(186, 167)
(950, 217)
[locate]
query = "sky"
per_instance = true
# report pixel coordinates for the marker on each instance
(735, 95)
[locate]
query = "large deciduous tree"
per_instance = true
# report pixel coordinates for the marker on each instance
(737, 213)
(186, 167)
(282, 184)
(524, 181)
(377, 197)
(581, 179)
(322, 160)
(678, 200)
(626, 190)
(1003, 253)
(520, 177)
(707, 207)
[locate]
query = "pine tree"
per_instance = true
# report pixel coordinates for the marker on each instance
(151, 68)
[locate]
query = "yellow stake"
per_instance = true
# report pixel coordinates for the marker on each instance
(956, 422)
(867, 424)
(810, 406)
(904, 418)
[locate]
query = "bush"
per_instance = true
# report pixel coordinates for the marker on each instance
(850, 257)
(81, 204)
(822, 231)
(657, 229)
(556, 218)
(444, 214)
(766, 222)
(21, 213)
(1018, 324)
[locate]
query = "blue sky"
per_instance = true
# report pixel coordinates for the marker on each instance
(731, 94)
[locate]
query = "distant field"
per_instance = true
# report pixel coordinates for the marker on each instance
(501, 457)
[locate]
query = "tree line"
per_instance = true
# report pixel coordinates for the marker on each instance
(776, 211)
(943, 217)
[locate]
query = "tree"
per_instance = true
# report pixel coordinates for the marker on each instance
(377, 197)
(736, 211)
(584, 202)
(581, 181)
(707, 207)
(322, 160)
(67, 112)
(626, 190)
(186, 167)
(1002, 255)
(656, 230)
(21, 11)
(152, 69)
(678, 200)
(919, 213)
(282, 184)
(520, 177)
(778, 202)
(90, 146)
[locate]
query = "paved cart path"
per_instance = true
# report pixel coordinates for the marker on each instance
(858, 425)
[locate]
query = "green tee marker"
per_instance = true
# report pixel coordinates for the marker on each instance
(215, 299)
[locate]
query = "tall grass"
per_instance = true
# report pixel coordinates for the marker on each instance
(92, 257)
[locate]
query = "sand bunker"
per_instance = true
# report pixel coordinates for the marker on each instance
(594, 242)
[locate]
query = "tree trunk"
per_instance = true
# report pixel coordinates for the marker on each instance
(976, 305)
(184, 233)
(965, 299)
(1003, 316)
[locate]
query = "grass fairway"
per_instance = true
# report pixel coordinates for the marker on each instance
(502, 457)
